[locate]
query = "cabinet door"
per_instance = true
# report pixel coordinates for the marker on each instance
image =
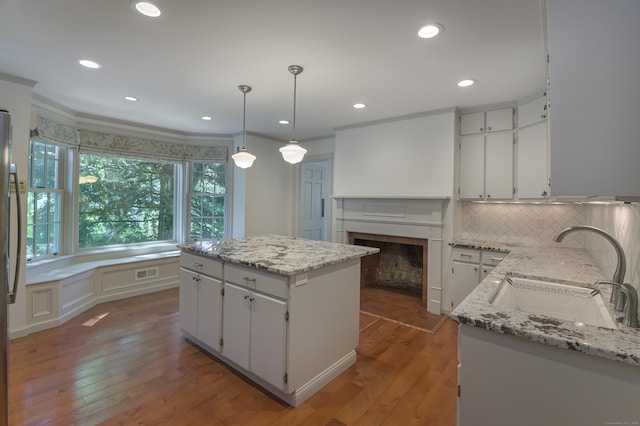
(188, 301)
(499, 120)
(268, 339)
(533, 176)
(210, 312)
(465, 277)
(472, 166)
(236, 324)
(472, 123)
(532, 112)
(499, 166)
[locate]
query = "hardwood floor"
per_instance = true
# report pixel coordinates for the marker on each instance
(135, 367)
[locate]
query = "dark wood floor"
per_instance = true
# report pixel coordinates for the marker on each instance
(135, 367)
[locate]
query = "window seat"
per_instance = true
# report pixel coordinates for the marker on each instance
(60, 289)
(67, 267)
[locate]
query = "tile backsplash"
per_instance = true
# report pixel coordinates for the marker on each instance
(522, 224)
(536, 224)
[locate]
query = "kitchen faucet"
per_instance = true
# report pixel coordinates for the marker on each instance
(631, 306)
(617, 297)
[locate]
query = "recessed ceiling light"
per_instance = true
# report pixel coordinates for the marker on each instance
(146, 8)
(359, 106)
(87, 63)
(131, 98)
(431, 30)
(466, 83)
(207, 118)
(283, 121)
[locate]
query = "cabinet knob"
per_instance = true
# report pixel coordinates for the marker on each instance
(246, 296)
(544, 193)
(489, 129)
(197, 265)
(482, 129)
(479, 195)
(488, 195)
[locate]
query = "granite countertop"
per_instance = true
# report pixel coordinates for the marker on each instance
(279, 254)
(557, 264)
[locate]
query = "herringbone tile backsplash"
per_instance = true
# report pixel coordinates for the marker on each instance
(536, 224)
(522, 224)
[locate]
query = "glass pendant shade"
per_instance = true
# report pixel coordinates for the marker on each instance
(243, 158)
(292, 152)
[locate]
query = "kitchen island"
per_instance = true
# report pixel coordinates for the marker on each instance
(517, 367)
(282, 311)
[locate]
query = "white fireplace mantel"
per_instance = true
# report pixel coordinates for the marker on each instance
(411, 217)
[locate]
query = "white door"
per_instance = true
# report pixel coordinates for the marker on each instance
(533, 157)
(313, 194)
(465, 278)
(210, 312)
(268, 338)
(188, 301)
(236, 324)
(472, 166)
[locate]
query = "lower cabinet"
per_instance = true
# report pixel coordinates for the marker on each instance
(468, 268)
(255, 333)
(201, 307)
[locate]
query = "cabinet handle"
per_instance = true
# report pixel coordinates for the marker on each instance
(246, 296)
(196, 279)
(498, 259)
(544, 193)
(465, 255)
(249, 279)
(197, 265)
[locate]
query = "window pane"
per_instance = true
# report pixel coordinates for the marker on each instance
(207, 200)
(124, 201)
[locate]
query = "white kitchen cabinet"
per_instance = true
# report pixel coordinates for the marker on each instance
(468, 268)
(533, 161)
(200, 307)
(472, 166)
(255, 333)
(532, 112)
(499, 166)
(489, 121)
(506, 380)
(486, 166)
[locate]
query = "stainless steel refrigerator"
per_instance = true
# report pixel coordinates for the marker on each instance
(8, 177)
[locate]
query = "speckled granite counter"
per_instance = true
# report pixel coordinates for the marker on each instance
(558, 264)
(279, 254)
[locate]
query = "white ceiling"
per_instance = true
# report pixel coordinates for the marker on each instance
(189, 62)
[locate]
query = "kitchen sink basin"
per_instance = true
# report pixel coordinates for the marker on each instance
(582, 305)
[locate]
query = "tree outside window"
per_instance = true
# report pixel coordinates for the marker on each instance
(44, 199)
(124, 201)
(207, 201)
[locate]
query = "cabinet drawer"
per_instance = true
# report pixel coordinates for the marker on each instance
(273, 284)
(472, 256)
(492, 258)
(202, 264)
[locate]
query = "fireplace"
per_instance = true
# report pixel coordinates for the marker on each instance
(401, 264)
(411, 226)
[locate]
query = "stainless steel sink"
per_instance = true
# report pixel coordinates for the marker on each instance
(582, 305)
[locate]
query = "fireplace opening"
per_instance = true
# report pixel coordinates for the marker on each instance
(400, 265)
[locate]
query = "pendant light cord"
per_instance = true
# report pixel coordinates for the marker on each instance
(295, 80)
(244, 119)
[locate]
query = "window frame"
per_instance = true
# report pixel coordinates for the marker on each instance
(190, 192)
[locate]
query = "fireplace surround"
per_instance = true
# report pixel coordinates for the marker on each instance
(417, 218)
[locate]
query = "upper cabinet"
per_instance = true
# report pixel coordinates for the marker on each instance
(483, 122)
(532, 112)
(594, 97)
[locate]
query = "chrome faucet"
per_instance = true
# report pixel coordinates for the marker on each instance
(631, 306)
(617, 297)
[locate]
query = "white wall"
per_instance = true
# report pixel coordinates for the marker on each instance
(404, 157)
(15, 96)
(269, 189)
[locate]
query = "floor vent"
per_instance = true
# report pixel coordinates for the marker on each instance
(145, 274)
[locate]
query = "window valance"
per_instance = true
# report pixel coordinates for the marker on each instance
(133, 147)
(57, 132)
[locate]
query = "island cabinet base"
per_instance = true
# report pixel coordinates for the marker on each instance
(295, 354)
(507, 380)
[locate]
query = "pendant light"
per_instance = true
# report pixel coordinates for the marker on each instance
(293, 152)
(243, 158)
